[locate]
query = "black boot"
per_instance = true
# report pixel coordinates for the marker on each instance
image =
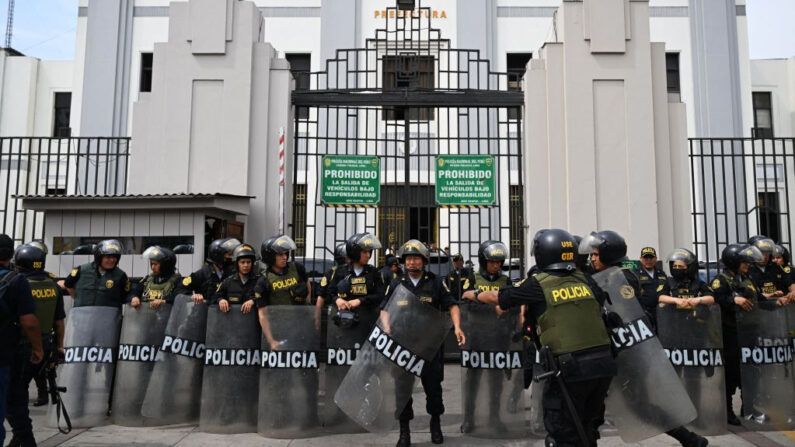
(42, 399)
(732, 418)
(687, 438)
(405, 435)
(436, 430)
(15, 442)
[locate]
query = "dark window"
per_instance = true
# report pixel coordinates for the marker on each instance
(408, 72)
(769, 222)
(516, 232)
(299, 218)
(672, 72)
(61, 108)
(146, 73)
(516, 64)
(763, 115)
(300, 67)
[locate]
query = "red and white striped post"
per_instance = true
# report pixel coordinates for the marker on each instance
(281, 180)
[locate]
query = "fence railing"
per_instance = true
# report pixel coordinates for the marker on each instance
(56, 166)
(740, 187)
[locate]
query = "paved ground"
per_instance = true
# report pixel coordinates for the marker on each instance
(184, 435)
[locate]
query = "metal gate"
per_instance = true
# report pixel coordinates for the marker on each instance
(406, 97)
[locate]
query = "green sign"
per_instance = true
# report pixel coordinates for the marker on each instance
(465, 180)
(350, 180)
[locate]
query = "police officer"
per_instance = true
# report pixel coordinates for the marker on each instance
(652, 281)
(203, 283)
(769, 278)
(358, 283)
(239, 288)
(160, 286)
(734, 292)
(491, 257)
(101, 282)
(684, 288)
(390, 270)
(455, 279)
(415, 256)
(781, 257)
(17, 317)
(340, 259)
(572, 329)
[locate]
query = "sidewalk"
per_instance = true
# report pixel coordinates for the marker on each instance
(189, 436)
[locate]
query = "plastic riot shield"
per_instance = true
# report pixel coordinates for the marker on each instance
(344, 338)
(142, 332)
(288, 377)
(492, 380)
(231, 372)
(90, 343)
(766, 367)
(174, 390)
(693, 341)
(400, 346)
(646, 398)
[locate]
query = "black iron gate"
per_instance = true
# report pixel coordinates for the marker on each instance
(407, 97)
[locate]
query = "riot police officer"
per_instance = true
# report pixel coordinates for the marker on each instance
(203, 283)
(769, 278)
(433, 291)
(781, 257)
(390, 270)
(359, 282)
(158, 287)
(684, 289)
(240, 287)
(340, 259)
(652, 281)
(489, 277)
(101, 282)
(572, 330)
(29, 261)
(734, 292)
(17, 317)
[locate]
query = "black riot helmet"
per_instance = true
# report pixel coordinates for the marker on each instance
(612, 247)
(108, 247)
(580, 260)
(360, 242)
(686, 256)
(244, 251)
(765, 245)
(29, 258)
(491, 250)
(752, 240)
(220, 247)
(781, 252)
(163, 256)
(735, 254)
(414, 247)
(340, 254)
(275, 245)
(554, 249)
(40, 245)
(391, 261)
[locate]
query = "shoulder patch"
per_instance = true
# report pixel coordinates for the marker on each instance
(659, 288)
(74, 272)
(466, 283)
(787, 269)
(186, 281)
(716, 283)
(323, 281)
(109, 284)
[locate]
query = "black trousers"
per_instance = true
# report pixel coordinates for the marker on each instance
(731, 349)
(22, 372)
(588, 397)
(432, 385)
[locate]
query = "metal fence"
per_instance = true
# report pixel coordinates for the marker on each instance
(56, 166)
(740, 187)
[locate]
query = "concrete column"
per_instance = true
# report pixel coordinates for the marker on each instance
(604, 147)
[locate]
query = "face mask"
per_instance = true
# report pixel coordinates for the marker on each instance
(679, 274)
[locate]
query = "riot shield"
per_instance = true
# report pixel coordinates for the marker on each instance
(646, 397)
(231, 362)
(90, 343)
(766, 367)
(536, 416)
(492, 376)
(693, 341)
(142, 332)
(400, 346)
(343, 341)
(174, 390)
(288, 377)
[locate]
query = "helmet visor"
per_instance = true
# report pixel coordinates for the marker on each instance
(751, 253)
(369, 242)
(496, 252)
(283, 244)
(681, 254)
(589, 242)
(153, 253)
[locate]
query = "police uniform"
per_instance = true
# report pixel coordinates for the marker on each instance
(158, 287)
(237, 290)
(17, 301)
(724, 288)
(387, 275)
(571, 332)
(284, 288)
(434, 292)
(651, 285)
(204, 281)
(498, 342)
(455, 281)
(770, 279)
(364, 285)
(329, 277)
(94, 288)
